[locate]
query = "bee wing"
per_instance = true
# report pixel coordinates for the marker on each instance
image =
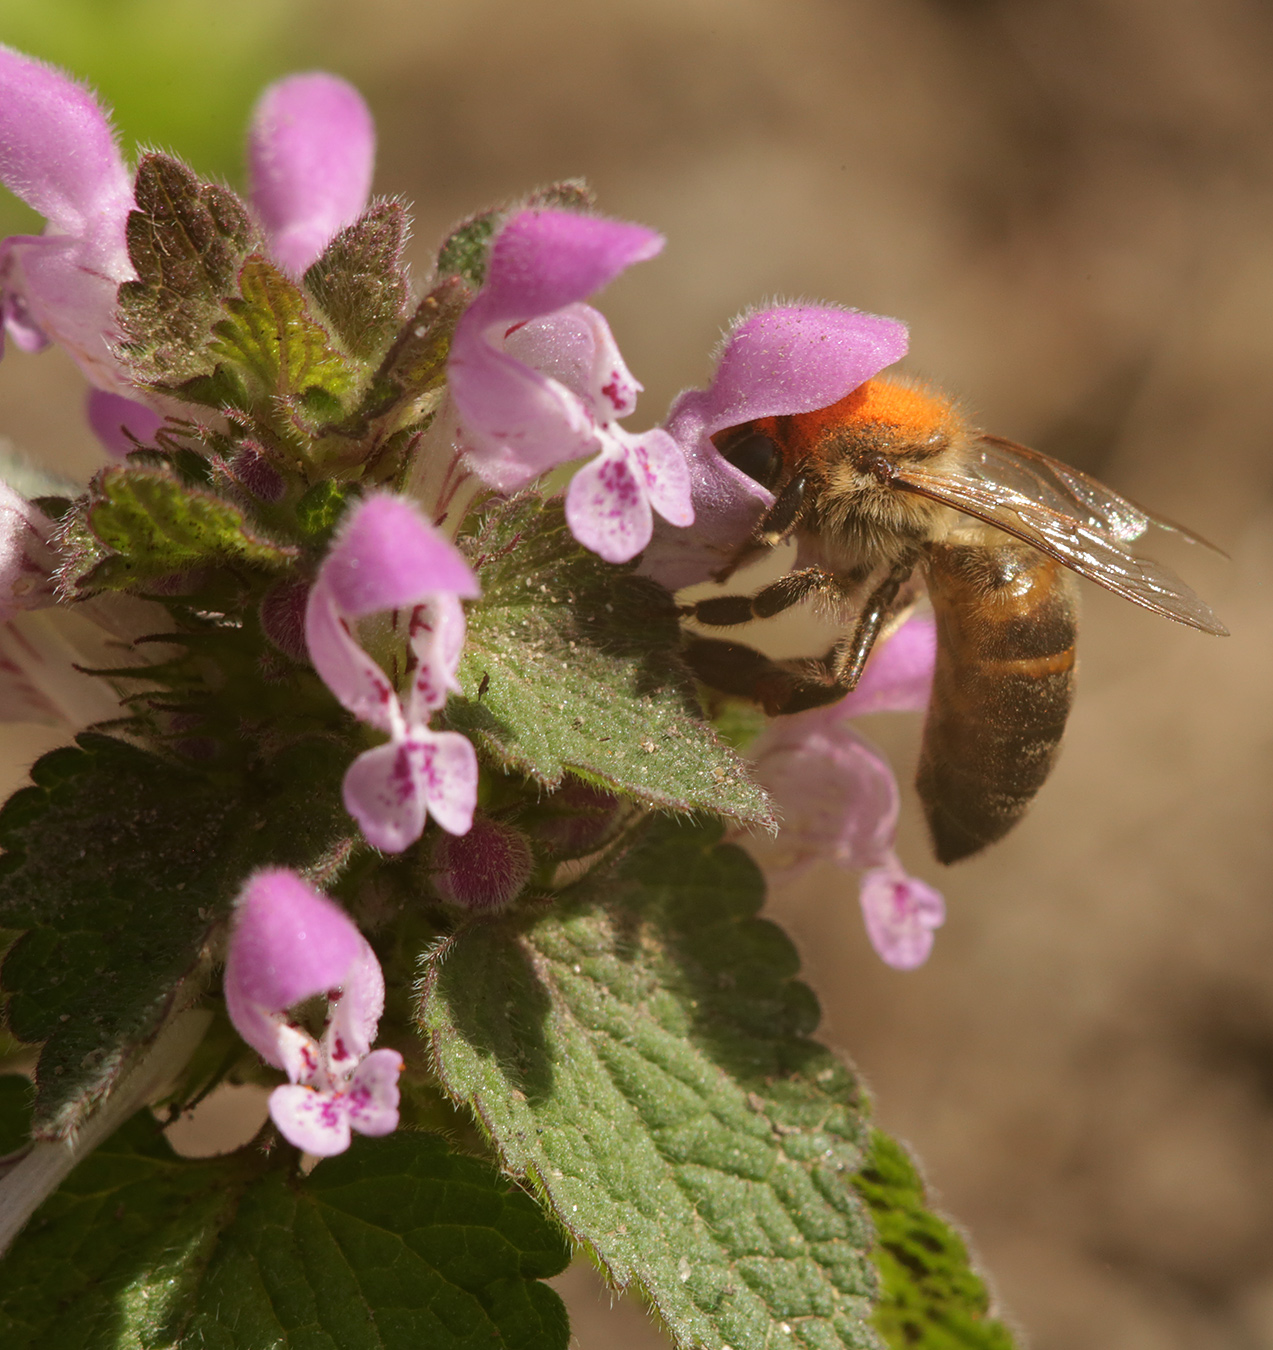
(1068, 489)
(1089, 534)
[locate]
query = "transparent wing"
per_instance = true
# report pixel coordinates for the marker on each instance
(1068, 516)
(1066, 488)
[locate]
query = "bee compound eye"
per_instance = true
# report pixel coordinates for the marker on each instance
(756, 455)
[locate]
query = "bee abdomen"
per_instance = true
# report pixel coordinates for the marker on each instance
(1002, 689)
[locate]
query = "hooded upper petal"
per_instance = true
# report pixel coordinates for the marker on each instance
(57, 149)
(311, 151)
(791, 359)
(543, 260)
(387, 556)
(288, 944)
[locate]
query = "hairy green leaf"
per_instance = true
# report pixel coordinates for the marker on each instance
(578, 667)
(186, 241)
(930, 1297)
(156, 525)
(395, 1245)
(271, 338)
(360, 283)
(121, 864)
(640, 1052)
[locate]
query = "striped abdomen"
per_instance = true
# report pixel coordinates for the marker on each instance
(1002, 689)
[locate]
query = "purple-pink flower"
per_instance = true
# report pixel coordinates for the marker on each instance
(791, 359)
(839, 800)
(311, 145)
(386, 556)
(537, 380)
(290, 944)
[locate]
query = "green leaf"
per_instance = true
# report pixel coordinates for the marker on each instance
(464, 251)
(640, 1052)
(186, 240)
(930, 1297)
(360, 283)
(271, 338)
(157, 525)
(121, 865)
(581, 673)
(395, 1245)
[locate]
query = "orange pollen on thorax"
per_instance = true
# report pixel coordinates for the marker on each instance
(910, 410)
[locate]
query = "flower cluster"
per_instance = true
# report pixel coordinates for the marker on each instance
(311, 150)
(535, 384)
(291, 944)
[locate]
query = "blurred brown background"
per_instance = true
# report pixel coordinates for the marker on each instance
(1071, 203)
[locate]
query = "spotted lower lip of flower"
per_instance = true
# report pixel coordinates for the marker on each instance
(538, 380)
(900, 913)
(790, 359)
(289, 944)
(312, 144)
(386, 556)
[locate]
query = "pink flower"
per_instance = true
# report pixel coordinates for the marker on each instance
(791, 359)
(387, 557)
(311, 147)
(290, 944)
(537, 380)
(839, 799)
(58, 153)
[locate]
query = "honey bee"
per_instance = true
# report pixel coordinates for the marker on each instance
(890, 488)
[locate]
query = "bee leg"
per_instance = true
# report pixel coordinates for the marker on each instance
(848, 657)
(724, 611)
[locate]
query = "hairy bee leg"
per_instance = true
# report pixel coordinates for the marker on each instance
(746, 673)
(724, 611)
(848, 657)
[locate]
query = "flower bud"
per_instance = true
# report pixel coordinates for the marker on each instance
(485, 869)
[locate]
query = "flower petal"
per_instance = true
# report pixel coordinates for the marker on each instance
(899, 674)
(354, 1014)
(299, 1053)
(311, 149)
(58, 151)
(387, 556)
(791, 359)
(515, 423)
(316, 1121)
(347, 670)
(901, 913)
(667, 476)
(836, 792)
(608, 507)
(26, 558)
(56, 289)
(786, 360)
(372, 1095)
(385, 791)
(289, 943)
(575, 346)
(119, 422)
(436, 633)
(544, 260)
